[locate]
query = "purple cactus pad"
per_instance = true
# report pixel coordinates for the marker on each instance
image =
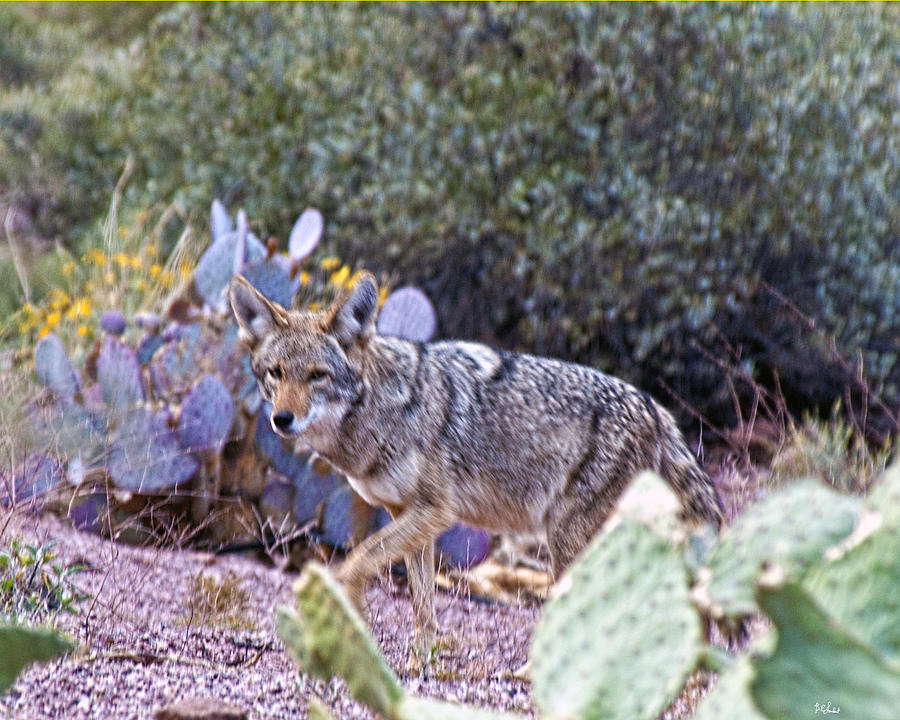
(113, 322)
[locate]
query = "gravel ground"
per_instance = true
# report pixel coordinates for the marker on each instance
(148, 637)
(145, 640)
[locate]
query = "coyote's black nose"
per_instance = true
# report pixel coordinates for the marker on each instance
(283, 419)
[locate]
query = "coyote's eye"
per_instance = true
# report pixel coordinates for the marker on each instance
(275, 372)
(316, 375)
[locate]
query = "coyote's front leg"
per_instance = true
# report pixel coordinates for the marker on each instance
(410, 536)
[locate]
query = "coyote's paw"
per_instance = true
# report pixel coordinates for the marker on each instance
(427, 648)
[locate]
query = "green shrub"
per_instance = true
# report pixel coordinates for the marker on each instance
(831, 450)
(34, 588)
(644, 188)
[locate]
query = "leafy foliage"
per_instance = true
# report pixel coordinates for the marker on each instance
(633, 186)
(833, 450)
(33, 587)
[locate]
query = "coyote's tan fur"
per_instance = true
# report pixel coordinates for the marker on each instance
(449, 431)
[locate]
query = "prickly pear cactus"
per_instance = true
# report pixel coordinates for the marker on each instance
(885, 496)
(791, 526)
(818, 665)
(305, 234)
(858, 581)
(462, 546)
(51, 363)
(220, 221)
(206, 415)
(119, 375)
(328, 638)
(146, 456)
(409, 314)
(418, 708)
(271, 280)
(622, 637)
(112, 321)
(21, 646)
(317, 710)
(730, 698)
(216, 266)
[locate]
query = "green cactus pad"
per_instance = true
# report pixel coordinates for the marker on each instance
(21, 646)
(317, 710)
(417, 708)
(731, 696)
(650, 501)
(328, 638)
(885, 496)
(622, 638)
(817, 662)
(858, 584)
(792, 526)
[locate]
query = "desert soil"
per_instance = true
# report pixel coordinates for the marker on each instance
(144, 641)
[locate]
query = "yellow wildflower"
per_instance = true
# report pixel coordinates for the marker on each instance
(155, 269)
(121, 260)
(135, 262)
(141, 285)
(166, 278)
(304, 277)
(43, 331)
(96, 256)
(123, 230)
(151, 250)
(83, 330)
(82, 307)
(330, 263)
(30, 310)
(67, 268)
(58, 299)
(340, 277)
(109, 278)
(90, 287)
(184, 269)
(53, 319)
(314, 305)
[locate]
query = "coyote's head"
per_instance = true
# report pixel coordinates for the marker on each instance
(308, 364)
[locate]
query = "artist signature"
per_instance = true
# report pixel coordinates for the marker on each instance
(826, 709)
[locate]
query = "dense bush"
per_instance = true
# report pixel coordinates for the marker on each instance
(618, 185)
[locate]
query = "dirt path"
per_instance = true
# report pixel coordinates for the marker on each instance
(147, 642)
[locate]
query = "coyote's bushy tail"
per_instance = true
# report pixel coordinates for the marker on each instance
(680, 469)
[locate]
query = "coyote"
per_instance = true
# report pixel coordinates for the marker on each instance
(457, 431)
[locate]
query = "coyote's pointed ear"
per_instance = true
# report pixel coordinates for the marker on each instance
(256, 316)
(352, 316)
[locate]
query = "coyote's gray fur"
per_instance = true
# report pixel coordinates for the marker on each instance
(449, 431)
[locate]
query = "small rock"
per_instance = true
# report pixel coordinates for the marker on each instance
(200, 708)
